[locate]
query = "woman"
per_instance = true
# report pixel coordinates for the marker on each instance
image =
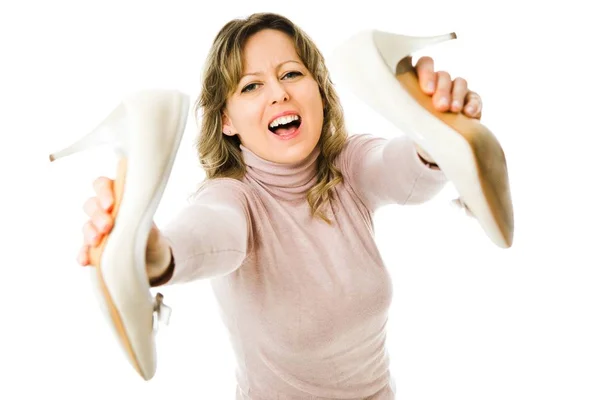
(283, 223)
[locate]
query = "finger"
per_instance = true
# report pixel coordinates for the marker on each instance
(102, 221)
(91, 206)
(91, 236)
(442, 95)
(473, 105)
(100, 218)
(426, 74)
(83, 257)
(459, 93)
(104, 190)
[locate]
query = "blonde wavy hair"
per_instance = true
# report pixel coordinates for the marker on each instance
(220, 155)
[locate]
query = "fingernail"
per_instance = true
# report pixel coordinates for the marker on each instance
(471, 109)
(456, 104)
(443, 102)
(430, 86)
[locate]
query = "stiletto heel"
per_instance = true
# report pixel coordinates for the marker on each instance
(109, 132)
(145, 130)
(377, 67)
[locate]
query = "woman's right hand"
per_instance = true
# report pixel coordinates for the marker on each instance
(99, 209)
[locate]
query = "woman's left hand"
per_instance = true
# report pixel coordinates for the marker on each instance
(447, 94)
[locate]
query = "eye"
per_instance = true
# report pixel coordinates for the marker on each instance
(249, 88)
(292, 74)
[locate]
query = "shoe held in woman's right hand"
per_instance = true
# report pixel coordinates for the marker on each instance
(120, 239)
(100, 211)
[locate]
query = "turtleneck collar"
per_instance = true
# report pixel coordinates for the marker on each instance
(286, 181)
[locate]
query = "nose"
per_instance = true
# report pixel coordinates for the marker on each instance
(279, 93)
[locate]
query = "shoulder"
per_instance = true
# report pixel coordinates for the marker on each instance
(356, 147)
(361, 142)
(222, 184)
(222, 189)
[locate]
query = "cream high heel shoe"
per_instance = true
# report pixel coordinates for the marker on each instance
(377, 67)
(145, 130)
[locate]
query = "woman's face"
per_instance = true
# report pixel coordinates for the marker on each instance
(277, 109)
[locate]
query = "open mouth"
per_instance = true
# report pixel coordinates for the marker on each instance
(285, 126)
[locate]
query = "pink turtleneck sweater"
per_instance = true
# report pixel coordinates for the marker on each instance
(305, 302)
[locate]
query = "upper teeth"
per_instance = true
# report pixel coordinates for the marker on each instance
(283, 120)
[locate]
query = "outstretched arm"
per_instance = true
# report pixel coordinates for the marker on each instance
(209, 237)
(398, 171)
(389, 171)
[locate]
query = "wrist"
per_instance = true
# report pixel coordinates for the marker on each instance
(160, 274)
(158, 258)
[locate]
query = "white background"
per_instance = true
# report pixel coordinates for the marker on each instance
(468, 321)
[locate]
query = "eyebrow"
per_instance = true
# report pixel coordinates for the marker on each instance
(278, 66)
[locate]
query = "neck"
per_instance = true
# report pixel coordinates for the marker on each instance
(285, 181)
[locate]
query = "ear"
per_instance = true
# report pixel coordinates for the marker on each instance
(228, 128)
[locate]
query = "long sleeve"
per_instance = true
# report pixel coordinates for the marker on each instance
(210, 237)
(388, 171)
